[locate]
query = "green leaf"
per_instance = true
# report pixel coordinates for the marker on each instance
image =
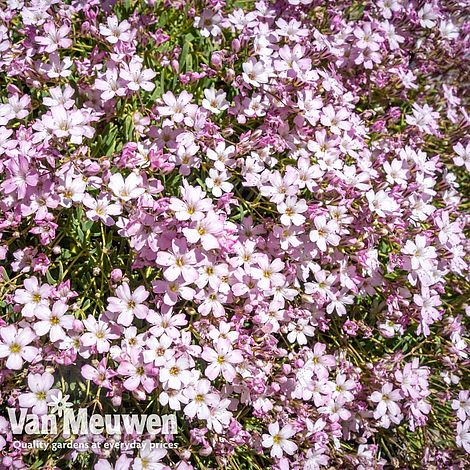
(50, 279)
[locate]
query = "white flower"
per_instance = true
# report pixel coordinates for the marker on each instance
(463, 155)
(256, 73)
(215, 100)
(381, 202)
(217, 182)
(126, 189)
(149, 458)
(386, 401)
(420, 254)
(115, 31)
(291, 210)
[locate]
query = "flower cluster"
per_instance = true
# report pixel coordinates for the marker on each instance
(249, 214)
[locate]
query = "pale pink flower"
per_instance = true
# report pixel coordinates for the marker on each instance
(463, 155)
(218, 183)
(99, 334)
(138, 374)
(278, 440)
(68, 123)
(54, 322)
(15, 108)
(386, 401)
(54, 38)
(268, 273)
(291, 211)
(128, 304)
(463, 435)
(176, 107)
(336, 120)
(15, 346)
(110, 84)
(34, 297)
(381, 203)
(214, 100)
(193, 204)
(256, 73)
(101, 209)
(199, 398)
(158, 350)
(206, 230)
(127, 189)
(149, 458)
(324, 233)
(421, 255)
(100, 375)
(60, 97)
(221, 155)
(175, 373)
(178, 262)
(136, 77)
(114, 31)
(40, 395)
(219, 417)
(462, 405)
(222, 360)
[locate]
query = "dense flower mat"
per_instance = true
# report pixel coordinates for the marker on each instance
(249, 214)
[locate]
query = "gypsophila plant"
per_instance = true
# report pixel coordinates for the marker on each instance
(247, 214)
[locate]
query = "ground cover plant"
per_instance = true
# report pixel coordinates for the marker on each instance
(249, 214)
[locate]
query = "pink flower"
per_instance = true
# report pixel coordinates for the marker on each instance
(149, 458)
(193, 205)
(336, 120)
(137, 373)
(207, 231)
(256, 73)
(200, 399)
(463, 435)
(101, 209)
(174, 374)
(159, 350)
(54, 38)
(100, 375)
(291, 210)
(218, 183)
(110, 84)
(214, 100)
(268, 273)
(421, 256)
(462, 405)
(16, 108)
(68, 123)
(122, 463)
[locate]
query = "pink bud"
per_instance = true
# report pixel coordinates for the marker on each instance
(116, 275)
(235, 45)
